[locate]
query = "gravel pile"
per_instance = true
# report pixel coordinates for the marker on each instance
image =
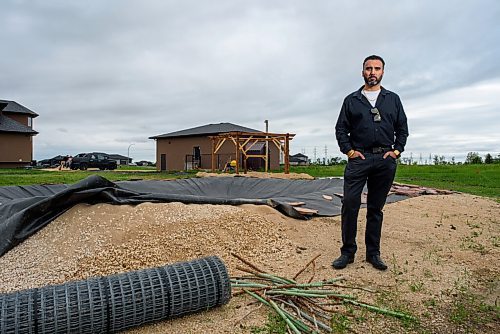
(102, 239)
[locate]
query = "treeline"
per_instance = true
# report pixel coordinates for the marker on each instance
(473, 158)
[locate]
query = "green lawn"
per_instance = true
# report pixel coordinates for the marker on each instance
(483, 180)
(13, 177)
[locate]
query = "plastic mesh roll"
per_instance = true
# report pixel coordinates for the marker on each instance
(114, 303)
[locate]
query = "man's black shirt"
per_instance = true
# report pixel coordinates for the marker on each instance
(356, 128)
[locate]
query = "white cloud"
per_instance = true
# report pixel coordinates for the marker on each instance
(456, 121)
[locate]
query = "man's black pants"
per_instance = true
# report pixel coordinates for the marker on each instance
(378, 174)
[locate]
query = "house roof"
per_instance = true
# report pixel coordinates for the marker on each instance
(117, 156)
(208, 129)
(7, 124)
(15, 107)
(299, 155)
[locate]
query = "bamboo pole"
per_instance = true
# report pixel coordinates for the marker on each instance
(307, 265)
(300, 304)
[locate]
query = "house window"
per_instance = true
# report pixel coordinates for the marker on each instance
(30, 122)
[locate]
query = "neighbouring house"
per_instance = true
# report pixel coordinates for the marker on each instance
(299, 159)
(16, 134)
(192, 149)
(120, 159)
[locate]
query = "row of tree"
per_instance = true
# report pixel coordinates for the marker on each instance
(472, 158)
(475, 158)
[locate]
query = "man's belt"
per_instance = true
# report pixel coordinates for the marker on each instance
(374, 150)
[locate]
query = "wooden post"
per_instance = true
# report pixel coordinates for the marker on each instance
(237, 153)
(267, 146)
(287, 154)
(213, 155)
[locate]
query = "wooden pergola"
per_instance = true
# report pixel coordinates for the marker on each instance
(244, 141)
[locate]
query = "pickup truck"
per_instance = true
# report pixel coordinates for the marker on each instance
(92, 160)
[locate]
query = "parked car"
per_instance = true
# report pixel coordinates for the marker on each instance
(92, 160)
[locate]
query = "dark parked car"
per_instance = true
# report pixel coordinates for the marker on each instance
(92, 160)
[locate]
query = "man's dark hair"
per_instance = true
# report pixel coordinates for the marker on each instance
(374, 57)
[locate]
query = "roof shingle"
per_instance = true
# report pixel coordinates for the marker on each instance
(15, 107)
(9, 125)
(206, 130)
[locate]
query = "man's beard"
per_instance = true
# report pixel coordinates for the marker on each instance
(372, 80)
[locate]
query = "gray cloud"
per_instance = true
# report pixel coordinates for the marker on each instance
(116, 72)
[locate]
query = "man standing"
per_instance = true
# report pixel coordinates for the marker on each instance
(372, 131)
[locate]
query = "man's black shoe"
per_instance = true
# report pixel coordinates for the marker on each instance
(342, 261)
(376, 262)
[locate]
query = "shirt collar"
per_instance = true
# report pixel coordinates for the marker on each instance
(358, 93)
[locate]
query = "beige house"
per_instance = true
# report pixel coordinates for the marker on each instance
(192, 149)
(16, 134)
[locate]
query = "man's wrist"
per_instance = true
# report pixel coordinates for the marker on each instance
(397, 153)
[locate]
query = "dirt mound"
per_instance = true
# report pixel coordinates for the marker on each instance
(291, 176)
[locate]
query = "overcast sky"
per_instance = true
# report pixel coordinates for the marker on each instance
(103, 75)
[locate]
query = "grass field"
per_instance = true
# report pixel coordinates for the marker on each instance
(21, 177)
(483, 180)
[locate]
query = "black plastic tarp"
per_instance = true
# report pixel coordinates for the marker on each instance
(26, 209)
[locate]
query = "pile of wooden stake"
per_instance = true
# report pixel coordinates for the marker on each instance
(305, 307)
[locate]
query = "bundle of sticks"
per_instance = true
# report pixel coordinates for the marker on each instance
(305, 307)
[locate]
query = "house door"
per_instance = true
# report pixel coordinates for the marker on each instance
(196, 157)
(163, 162)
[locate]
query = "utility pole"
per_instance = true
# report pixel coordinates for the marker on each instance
(326, 155)
(128, 153)
(314, 153)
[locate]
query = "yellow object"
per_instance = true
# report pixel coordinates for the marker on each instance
(397, 153)
(350, 153)
(233, 163)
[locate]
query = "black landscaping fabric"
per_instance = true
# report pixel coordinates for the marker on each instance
(24, 210)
